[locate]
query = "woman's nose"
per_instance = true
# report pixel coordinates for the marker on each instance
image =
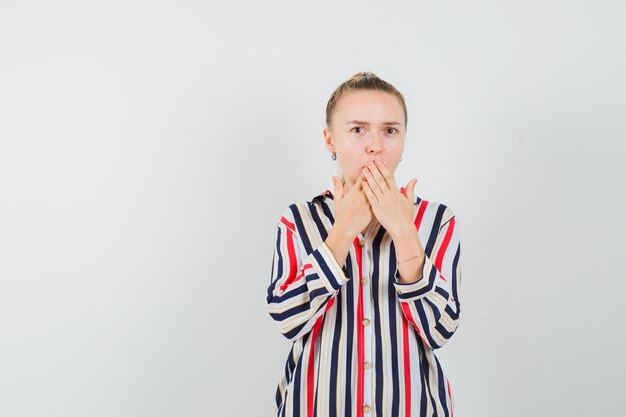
(375, 144)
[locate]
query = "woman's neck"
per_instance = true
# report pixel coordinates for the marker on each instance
(374, 220)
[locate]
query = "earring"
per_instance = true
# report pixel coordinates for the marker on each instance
(333, 156)
(401, 158)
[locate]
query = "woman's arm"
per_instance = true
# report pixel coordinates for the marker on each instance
(431, 304)
(409, 254)
(303, 284)
(339, 240)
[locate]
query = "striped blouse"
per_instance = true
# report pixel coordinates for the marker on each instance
(363, 343)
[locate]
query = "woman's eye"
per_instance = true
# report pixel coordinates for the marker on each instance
(357, 129)
(392, 130)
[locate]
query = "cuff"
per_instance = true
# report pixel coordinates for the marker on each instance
(328, 269)
(419, 288)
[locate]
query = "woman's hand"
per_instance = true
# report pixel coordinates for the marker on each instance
(393, 209)
(352, 210)
(352, 214)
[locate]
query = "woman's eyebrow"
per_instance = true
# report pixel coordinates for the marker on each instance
(359, 122)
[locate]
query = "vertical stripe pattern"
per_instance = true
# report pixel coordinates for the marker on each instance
(363, 343)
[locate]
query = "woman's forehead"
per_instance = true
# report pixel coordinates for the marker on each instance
(370, 106)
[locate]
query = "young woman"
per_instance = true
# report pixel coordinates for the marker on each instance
(365, 280)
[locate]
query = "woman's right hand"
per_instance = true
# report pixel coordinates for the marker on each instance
(352, 209)
(353, 214)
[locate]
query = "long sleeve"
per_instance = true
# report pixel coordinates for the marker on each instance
(432, 303)
(302, 284)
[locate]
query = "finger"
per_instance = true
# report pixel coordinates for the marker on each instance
(378, 176)
(371, 197)
(371, 181)
(337, 189)
(386, 174)
(410, 190)
(357, 185)
(360, 179)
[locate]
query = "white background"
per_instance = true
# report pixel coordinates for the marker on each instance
(148, 149)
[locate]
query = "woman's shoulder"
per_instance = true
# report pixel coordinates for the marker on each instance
(299, 208)
(433, 205)
(433, 213)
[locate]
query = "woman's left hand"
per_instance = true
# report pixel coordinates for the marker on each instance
(393, 209)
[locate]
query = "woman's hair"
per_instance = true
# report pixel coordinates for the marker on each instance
(362, 81)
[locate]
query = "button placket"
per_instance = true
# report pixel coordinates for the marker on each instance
(368, 334)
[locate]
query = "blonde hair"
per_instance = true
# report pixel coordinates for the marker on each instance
(361, 81)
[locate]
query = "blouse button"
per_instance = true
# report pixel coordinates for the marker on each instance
(367, 408)
(364, 281)
(366, 322)
(361, 243)
(367, 365)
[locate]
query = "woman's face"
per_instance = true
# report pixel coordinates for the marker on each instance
(366, 125)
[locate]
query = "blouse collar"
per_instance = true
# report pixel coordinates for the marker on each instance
(324, 194)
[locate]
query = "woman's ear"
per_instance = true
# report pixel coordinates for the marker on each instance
(329, 141)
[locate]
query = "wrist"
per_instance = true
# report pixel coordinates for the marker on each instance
(338, 241)
(412, 268)
(404, 230)
(341, 233)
